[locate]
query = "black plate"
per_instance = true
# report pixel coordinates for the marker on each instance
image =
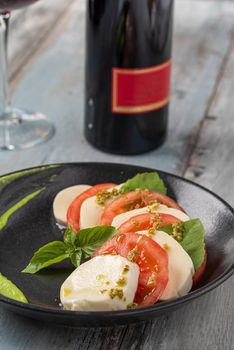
(34, 225)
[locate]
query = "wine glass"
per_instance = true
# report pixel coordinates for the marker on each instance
(19, 128)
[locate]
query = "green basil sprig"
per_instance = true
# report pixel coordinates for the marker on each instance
(76, 247)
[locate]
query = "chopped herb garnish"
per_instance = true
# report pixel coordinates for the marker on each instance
(126, 269)
(104, 196)
(132, 306)
(122, 281)
(132, 254)
(116, 293)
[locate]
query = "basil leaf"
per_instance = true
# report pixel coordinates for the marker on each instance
(69, 236)
(76, 257)
(145, 181)
(9, 290)
(49, 254)
(193, 240)
(167, 229)
(77, 247)
(92, 238)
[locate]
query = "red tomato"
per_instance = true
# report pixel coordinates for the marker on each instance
(199, 273)
(133, 200)
(73, 213)
(146, 221)
(151, 259)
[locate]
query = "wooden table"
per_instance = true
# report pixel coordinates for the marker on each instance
(47, 56)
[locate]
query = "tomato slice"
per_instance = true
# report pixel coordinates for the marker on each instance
(73, 213)
(133, 200)
(151, 259)
(200, 273)
(146, 221)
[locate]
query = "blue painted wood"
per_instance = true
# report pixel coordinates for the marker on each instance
(53, 83)
(201, 89)
(29, 27)
(211, 163)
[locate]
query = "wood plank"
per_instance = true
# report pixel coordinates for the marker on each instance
(211, 162)
(29, 28)
(204, 324)
(200, 45)
(211, 165)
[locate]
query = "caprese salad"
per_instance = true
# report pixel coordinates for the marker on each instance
(131, 244)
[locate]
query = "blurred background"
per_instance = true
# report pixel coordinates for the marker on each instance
(46, 50)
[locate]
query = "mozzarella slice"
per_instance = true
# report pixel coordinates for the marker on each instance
(104, 283)
(91, 212)
(63, 199)
(121, 218)
(174, 212)
(180, 265)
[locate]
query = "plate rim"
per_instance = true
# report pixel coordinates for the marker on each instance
(156, 308)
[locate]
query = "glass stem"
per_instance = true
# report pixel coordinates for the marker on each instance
(5, 102)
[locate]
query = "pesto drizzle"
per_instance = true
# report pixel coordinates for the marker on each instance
(5, 217)
(9, 290)
(6, 179)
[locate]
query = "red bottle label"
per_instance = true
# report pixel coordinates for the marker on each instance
(140, 90)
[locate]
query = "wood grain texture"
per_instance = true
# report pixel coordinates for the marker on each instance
(212, 160)
(29, 29)
(202, 54)
(200, 45)
(204, 324)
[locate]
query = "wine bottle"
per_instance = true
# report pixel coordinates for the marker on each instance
(128, 66)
